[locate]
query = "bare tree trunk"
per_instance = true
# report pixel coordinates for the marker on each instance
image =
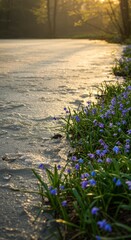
(8, 20)
(49, 18)
(124, 7)
(114, 19)
(54, 18)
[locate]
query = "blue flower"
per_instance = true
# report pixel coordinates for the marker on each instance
(81, 161)
(98, 152)
(92, 182)
(41, 166)
(117, 182)
(104, 225)
(59, 167)
(93, 173)
(98, 238)
(108, 227)
(77, 118)
(114, 179)
(62, 187)
(94, 211)
(116, 149)
(64, 203)
(101, 130)
(124, 122)
(53, 191)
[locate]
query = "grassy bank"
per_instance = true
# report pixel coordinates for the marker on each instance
(111, 38)
(89, 198)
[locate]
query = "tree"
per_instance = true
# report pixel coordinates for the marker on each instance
(47, 13)
(124, 8)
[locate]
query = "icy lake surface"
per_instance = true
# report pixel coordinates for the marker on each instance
(38, 78)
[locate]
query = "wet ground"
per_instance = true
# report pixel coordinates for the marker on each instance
(38, 78)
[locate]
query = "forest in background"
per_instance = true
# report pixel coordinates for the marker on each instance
(65, 18)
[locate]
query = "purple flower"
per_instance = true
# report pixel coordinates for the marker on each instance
(118, 143)
(89, 103)
(64, 203)
(41, 166)
(101, 125)
(129, 184)
(94, 111)
(77, 118)
(84, 184)
(54, 118)
(84, 175)
(77, 166)
(68, 170)
(127, 146)
(108, 160)
(59, 167)
(102, 224)
(98, 152)
(87, 175)
(91, 155)
(101, 141)
(74, 158)
(95, 122)
(103, 152)
(119, 129)
(115, 134)
(100, 160)
(124, 122)
(111, 125)
(94, 211)
(116, 149)
(129, 131)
